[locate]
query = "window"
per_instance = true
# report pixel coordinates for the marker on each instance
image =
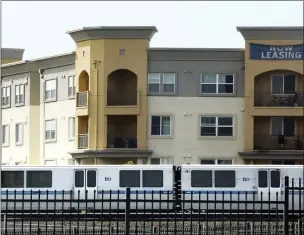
(283, 126)
(224, 179)
(5, 135)
(71, 128)
(50, 129)
(153, 178)
(168, 82)
(201, 178)
(217, 84)
(50, 89)
(275, 179)
(39, 179)
(263, 179)
(19, 133)
(160, 160)
(283, 84)
(91, 178)
(6, 97)
(79, 179)
(72, 87)
(50, 162)
(12, 179)
(283, 162)
(161, 125)
(216, 126)
(122, 52)
(154, 82)
(19, 94)
(129, 178)
(216, 162)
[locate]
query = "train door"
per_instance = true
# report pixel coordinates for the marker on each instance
(85, 180)
(269, 182)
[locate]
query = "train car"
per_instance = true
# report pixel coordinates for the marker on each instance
(86, 182)
(241, 183)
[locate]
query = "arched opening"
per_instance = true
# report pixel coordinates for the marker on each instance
(279, 88)
(122, 88)
(83, 81)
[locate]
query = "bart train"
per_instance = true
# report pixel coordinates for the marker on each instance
(168, 186)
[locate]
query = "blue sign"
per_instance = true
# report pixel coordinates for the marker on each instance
(275, 52)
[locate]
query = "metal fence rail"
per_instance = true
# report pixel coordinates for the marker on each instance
(132, 213)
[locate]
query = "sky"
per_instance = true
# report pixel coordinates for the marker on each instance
(40, 27)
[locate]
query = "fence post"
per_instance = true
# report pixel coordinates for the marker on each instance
(127, 211)
(286, 205)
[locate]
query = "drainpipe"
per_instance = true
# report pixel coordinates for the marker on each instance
(96, 129)
(43, 113)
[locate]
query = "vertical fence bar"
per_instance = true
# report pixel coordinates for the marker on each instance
(6, 210)
(70, 218)
(94, 211)
(62, 212)
(292, 206)
(127, 211)
(22, 212)
(15, 197)
(46, 211)
(300, 206)
(55, 200)
(286, 204)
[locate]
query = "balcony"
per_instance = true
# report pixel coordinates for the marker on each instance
(268, 143)
(83, 141)
(122, 142)
(82, 103)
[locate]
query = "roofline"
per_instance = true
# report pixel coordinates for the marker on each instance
(16, 63)
(113, 28)
(15, 49)
(54, 56)
(239, 28)
(196, 49)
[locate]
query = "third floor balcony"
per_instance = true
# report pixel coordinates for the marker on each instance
(287, 99)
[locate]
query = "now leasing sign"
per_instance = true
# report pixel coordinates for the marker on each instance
(275, 52)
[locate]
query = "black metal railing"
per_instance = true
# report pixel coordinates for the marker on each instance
(154, 212)
(267, 99)
(122, 97)
(268, 142)
(122, 142)
(83, 141)
(82, 99)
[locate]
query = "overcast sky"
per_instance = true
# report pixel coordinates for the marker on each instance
(40, 27)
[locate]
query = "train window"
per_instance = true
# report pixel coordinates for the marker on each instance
(263, 179)
(39, 179)
(91, 179)
(153, 178)
(12, 179)
(79, 179)
(129, 178)
(224, 179)
(275, 179)
(201, 179)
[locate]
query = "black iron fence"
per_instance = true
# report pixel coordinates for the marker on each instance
(150, 212)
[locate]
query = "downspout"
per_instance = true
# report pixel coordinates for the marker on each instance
(43, 113)
(96, 129)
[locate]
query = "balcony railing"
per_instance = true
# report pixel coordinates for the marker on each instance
(267, 142)
(122, 142)
(117, 98)
(267, 99)
(82, 99)
(83, 141)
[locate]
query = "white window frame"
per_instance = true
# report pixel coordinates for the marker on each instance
(159, 82)
(50, 160)
(216, 160)
(19, 135)
(71, 137)
(217, 83)
(216, 126)
(163, 160)
(161, 121)
(71, 86)
(7, 134)
(55, 130)
(46, 98)
(6, 97)
(163, 83)
(282, 75)
(19, 95)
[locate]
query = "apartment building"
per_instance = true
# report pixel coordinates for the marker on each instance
(116, 99)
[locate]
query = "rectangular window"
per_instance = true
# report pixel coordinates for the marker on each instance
(6, 97)
(283, 126)
(50, 129)
(19, 133)
(217, 84)
(207, 162)
(263, 179)
(152, 178)
(169, 83)
(39, 179)
(50, 89)
(12, 179)
(91, 178)
(215, 162)
(216, 126)
(129, 178)
(79, 179)
(71, 128)
(224, 179)
(201, 179)
(19, 94)
(161, 125)
(283, 162)
(5, 135)
(161, 161)
(283, 84)
(154, 82)
(275, 179)
(72, 86)
(50, 162)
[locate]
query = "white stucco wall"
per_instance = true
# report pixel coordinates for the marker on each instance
(185, 145)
